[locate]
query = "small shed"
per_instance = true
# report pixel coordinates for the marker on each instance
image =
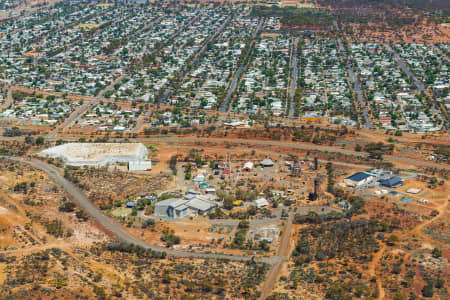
(131, 204)
(267, 163)
(261, 202)
(139, 165)
(199, 178)
(248, 166)
(210, 190)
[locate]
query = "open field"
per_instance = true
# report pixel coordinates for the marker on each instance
(88, 26)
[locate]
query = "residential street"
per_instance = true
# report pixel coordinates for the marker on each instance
(84, 108)
(225, 106)
(293, 79)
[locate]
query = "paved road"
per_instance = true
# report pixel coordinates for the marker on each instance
(225, 106)
(143, 118)
(84, 108)
(168, 91)
(136, 33)
(355, 81)
(294, 76)
(420, 86)
(112, 227)
(359, 95)
(199, 54)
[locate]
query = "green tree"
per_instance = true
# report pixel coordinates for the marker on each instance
(428, 290)
(40, 140)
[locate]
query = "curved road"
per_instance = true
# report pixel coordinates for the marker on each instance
(109, 225)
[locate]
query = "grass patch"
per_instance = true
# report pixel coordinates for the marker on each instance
(87, 26)
(121, 212)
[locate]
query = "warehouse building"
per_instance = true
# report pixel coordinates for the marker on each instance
(358, 179)
(183, 207)
(392, 182)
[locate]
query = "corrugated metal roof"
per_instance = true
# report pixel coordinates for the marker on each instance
(139, 165)
(181, 207)
(200, 204)
(393, 181)
(360, 176)
(174, 202)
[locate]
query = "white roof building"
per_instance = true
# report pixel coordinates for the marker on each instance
(140, 165)
(267, 162)
(261, 202)
(248, 166)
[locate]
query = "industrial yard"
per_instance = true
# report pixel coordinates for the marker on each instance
(224, 150)
(97, 154)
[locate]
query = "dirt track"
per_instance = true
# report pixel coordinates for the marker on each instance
(283, 255)
(304, 146)
(414, 231)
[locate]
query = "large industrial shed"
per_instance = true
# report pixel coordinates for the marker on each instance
(173, 207)
(392, 182)
(178, 207)
(358, 179)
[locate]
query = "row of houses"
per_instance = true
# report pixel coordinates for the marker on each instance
(263, 88)
(51, 54)
(216, 67)
(189, 29)
(394, 98)
(326, 92)
(48, 110)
